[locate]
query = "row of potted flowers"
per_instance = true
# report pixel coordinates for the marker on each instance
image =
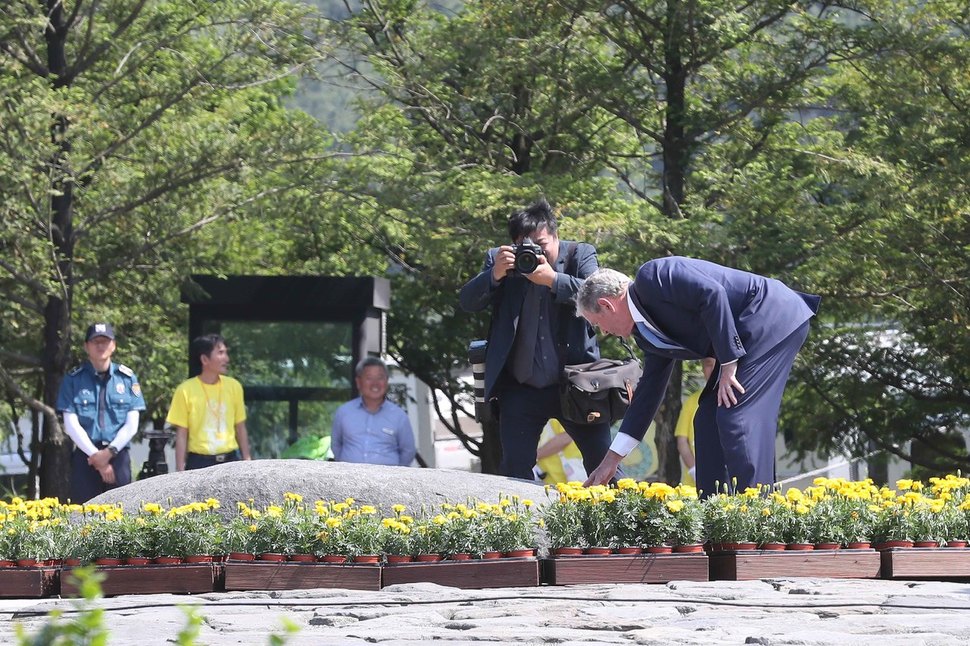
(832, 513)
(42, 531)
(632, 516)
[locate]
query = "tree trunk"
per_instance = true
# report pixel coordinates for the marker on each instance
(55, 465)
(675, 160)
(668, 459)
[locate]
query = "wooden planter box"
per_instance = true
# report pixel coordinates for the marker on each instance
(925, 563)
(754, 564)
(497, 573)
(152, 579)
(28, 582)
(640, 568)
(300, 576)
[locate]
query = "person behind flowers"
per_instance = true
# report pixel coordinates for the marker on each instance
(100, 401)
(370, 429)
(209, 411)
(680, 308)
(684, 432)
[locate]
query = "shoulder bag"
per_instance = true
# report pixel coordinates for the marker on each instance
(600, 391)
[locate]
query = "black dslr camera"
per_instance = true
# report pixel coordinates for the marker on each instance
(526, 256)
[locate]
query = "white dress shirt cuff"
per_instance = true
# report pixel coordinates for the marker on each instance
(623, 444)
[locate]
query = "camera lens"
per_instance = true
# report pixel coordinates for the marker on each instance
(526, 261)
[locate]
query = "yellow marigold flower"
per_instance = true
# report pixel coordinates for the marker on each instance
(253, 529)
(675, 505)
(295, 497)
(398, 508)
(274, 511)
(626, 483)
(765, 511)
(368, 509)
(904, 484)
(212, 503)
(332, 522)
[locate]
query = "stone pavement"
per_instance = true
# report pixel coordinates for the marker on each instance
(771, 612)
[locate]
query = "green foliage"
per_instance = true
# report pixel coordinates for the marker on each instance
(88, 625)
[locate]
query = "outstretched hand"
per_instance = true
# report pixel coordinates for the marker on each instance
(606, 470)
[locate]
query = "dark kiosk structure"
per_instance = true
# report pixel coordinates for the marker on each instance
(294, 341)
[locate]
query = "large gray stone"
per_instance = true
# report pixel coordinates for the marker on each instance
(265, 482)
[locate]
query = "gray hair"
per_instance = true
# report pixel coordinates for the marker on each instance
(367, 362)
(602, 283)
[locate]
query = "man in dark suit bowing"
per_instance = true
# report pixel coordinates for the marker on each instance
(683, 308)
(534, 333)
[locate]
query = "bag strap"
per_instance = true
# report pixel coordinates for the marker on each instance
(571, 268)
(626, 346)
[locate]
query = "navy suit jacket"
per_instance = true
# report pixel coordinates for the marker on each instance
(579, 338)
(712, 311)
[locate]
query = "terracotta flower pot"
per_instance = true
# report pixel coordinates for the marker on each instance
(107, 561)
(567, 551)
(199, 558)
(492, 554)
(597, 551)
(688, 549)
(274, 557)
(886, 545)
(167, 560)
(302, 558)
(72, 562)
(745, 545)
(827, 546)
(630, 550)
(367, 558)
(29, 563)
(428, 558)
(137, 560)
(399, 558)
(660, 549)
(333, 558)
(53, 562)
(7, 563)
(772, 546)
(800, 547)
(926, 543)
(240, 556)
(512, 554)
(461, 556)
(956, 544)
(859, 545)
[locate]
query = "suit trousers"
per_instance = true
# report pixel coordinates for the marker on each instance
(86, 482)
(739, 442)
(524, 411)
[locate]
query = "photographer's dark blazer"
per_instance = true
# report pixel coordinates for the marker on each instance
(506, 298)
(712, 311)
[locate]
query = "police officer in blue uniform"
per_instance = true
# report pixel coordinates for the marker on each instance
(100, 402)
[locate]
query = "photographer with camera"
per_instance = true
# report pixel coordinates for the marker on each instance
(530, 286)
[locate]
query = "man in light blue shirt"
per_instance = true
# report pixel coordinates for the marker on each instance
(370, 429)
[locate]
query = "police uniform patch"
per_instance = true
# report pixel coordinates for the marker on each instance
(77, 371)
(136, 389)
(125, 370)
(120, 387)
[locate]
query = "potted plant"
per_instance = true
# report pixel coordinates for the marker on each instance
(688, 522)
(562, 519)
(361, 532)
(729, 521)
